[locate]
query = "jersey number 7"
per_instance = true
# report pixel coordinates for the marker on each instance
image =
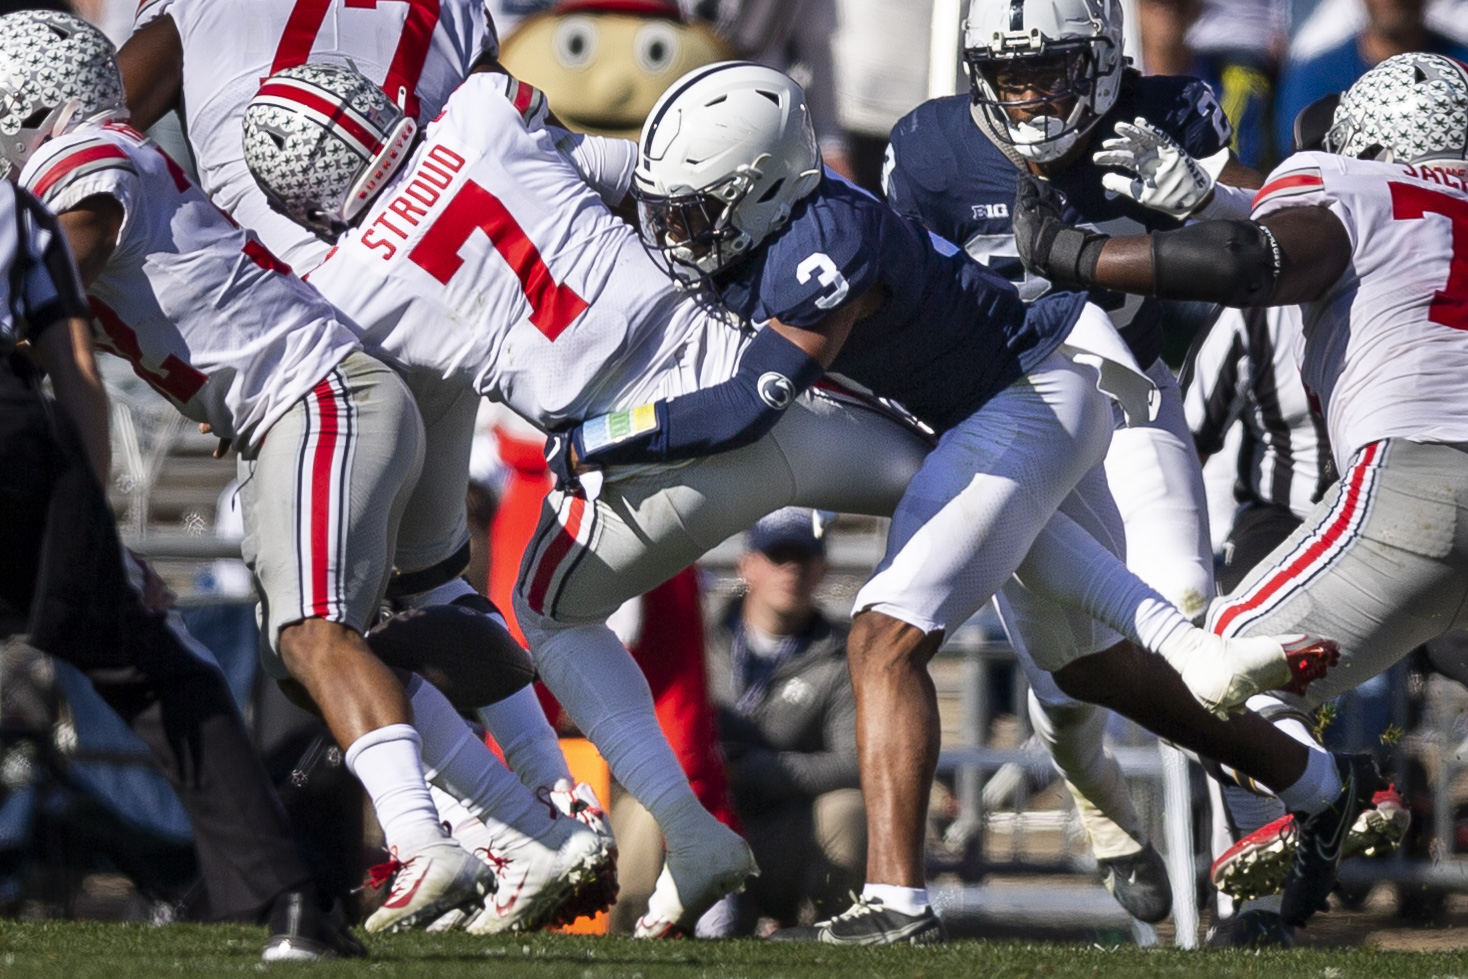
(553, 306)
(1410, 202)
(401, 83)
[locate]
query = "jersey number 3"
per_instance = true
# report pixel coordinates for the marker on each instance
(1410, 202)
(820, 267)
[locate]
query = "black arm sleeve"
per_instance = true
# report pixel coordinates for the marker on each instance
(1234, 263)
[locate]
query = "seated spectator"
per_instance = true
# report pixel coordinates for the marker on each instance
(1392, 27)
(787, 724)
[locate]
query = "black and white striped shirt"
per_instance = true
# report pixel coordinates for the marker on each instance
(40, 279)
(1244, 370)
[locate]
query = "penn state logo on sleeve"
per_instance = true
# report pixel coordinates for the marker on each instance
(776, 390)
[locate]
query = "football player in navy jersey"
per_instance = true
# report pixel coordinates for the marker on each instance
(731, 191)
(1049, 85)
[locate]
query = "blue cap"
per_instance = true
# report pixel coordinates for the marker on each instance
(793, 527)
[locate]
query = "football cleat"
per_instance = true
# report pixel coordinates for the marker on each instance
(1139, 883)
(434, 879)
(1244, 667)
(537, 876)
(1258, 864)
(579, 801)
(1320, 841)
(870, 922)
(693, 879)
(301, 932)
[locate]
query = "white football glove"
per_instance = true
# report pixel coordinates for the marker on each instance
(1167, 178)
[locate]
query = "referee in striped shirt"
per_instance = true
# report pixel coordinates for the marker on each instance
(1243, 371)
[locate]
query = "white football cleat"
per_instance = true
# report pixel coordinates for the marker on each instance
(429, 881)
(536, 876)
(693, 879)
(579, 801)
(1223, 679)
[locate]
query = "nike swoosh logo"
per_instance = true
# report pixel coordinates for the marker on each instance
(505, 907)
(1330, 849)
(402, 901)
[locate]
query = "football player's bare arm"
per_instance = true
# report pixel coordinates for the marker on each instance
(1237, 173)
(1291, 256)
(777, 365)
(64, 351)
(91, 230)
(152, 71)
(1295, 258)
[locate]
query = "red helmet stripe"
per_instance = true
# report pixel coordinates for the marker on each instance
(335, 112)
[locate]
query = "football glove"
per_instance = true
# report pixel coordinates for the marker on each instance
(1166, 178)
(558, 450)
(1049, 247)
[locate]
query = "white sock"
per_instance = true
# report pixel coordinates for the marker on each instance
(602, 689)
(1098, 582)
(387, 763)
(460, 764)
(531, 747)
(908, 900)
(1315, 789)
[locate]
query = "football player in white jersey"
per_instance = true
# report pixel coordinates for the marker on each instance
(1370, 238)
(221, 328)
(489, 261)
(499, 293)
(211, 57)
(417, 51)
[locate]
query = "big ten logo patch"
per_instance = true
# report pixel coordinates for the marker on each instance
(990, 211)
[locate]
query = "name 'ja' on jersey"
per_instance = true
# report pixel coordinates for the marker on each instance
(945, 172)
(950, 333)
(1386, 346)
(205, 313)
(491, 258)
(417, 50)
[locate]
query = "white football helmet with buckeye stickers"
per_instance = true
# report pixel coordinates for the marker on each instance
(1411, 108)
(1025, 55)
(322, 140)
(56, 71)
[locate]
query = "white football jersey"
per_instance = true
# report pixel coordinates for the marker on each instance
(203, 311)
(1386, 347)
(490, 258)
(417, 50)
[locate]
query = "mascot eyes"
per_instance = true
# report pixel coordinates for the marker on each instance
(575, 41)
(656, 46)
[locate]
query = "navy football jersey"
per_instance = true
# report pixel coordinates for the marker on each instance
(950, 333)
(946, 173)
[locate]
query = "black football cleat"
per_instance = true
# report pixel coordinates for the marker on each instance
(1139, 883)
(1322, 838)
(301, 932)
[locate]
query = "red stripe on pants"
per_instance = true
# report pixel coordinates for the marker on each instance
(555, 554)
(1272, 585)
(322, 481)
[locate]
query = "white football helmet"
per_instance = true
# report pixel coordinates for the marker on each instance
(321, 141)
(1053, 50)
(1411, 108)
(56, 71)
(724, 155)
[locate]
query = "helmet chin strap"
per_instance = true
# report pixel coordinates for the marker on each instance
(1001, 141)
(64, 114)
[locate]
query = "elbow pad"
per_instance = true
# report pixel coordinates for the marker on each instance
(772, 373)
(1234, 263)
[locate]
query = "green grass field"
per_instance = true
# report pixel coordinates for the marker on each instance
(58, 950)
